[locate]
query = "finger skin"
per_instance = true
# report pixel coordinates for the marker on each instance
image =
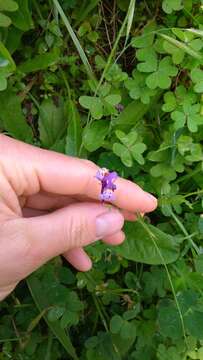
(31, 169)
(28, 243)
(79, 259)
(115, 239)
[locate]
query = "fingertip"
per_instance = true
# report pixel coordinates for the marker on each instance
(79, 259)
(152, 202)
(115, 239)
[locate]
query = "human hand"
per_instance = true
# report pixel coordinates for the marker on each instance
(49, 206)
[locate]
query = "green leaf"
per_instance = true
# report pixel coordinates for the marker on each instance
(8, 5)
(69, 318)
(113, 99)
(39, 62)
(121, 151)
(181, 46)
(149, 60)
(55, 313)
(42, 303)
(162, 77)
(169, 320)
(147, 38)
(22, 18)
(94, 134)
(138, 88)
(172, 5)
(134, 112)
(3, 83)
(137, 151)
(51, 122)
(116, 324)
(197, 78)
(74, 130)
(176, 52)
(94, 104)
(139, 245)
(5, 21)
(12, 117)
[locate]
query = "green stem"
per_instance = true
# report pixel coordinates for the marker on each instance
(182, 227)
(152, 236)
(198, 192)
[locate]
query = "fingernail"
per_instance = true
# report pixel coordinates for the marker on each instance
(108, 223)
(151, 197)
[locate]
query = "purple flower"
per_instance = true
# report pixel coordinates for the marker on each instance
(107, 180)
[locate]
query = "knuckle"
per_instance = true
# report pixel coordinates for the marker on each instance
(77, 232)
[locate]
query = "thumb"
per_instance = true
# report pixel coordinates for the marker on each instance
(72, 227)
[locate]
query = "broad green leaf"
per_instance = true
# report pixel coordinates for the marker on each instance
(52, 122)
(22, 18)
(11, 115)
(139, 245)
(8, 5)
(39, 62)
(74, 129)
(5, 21)
(169, 320)
(94, 134)
(134, 112)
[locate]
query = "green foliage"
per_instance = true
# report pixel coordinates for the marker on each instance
(122, 86)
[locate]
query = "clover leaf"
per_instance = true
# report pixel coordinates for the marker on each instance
(138, 89)
(188, 149)
(171, 5)
(129, 148)
(147, 37)
(149, 60)
(197, 78)
(174, 100)
(100, 106)
(162, 76)
(190, 115)
(176, 53)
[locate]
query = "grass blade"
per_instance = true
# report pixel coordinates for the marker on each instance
(130, 16)
(187, 49)
(75, 41)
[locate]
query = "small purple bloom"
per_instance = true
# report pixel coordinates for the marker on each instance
(107, 180)
(107, 195)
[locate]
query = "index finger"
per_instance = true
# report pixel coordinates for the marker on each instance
(61, 174)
